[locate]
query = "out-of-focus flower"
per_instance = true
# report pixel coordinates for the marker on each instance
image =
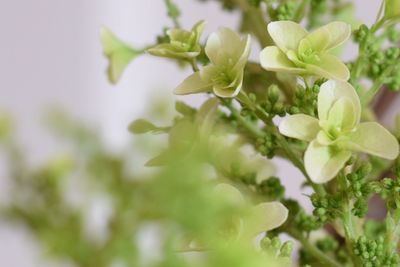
(258, 219)
(338, 132)
(182, 44)
(228, 54)
(307, 54)
(119, 54)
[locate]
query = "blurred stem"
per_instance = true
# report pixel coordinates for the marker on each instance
(300, 11)
(314, 251)
(257, 19)
(194, 65)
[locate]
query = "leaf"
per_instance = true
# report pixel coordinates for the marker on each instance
(118, 53)
(173, 10)
(141, 126)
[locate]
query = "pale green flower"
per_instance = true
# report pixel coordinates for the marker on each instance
(228, 54)
(337, 133)
(182, 45)
(307, 54)
(119, 54)
(258, 219)
(392, 9)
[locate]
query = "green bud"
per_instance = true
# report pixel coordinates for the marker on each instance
(273, 93)
(184, 109)
(286, 249)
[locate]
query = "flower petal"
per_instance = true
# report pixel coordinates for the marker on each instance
(192, 85)
(323, 163)
(224, 45)
(198, 30)
(232, 90)
(329, 67)
(373, 138)
(244, 54)
(230, 193)
(286, 34)
(342, 115)
(300, 126)
(264, 217)
(329, 36)
(330, 92)
(273, 59)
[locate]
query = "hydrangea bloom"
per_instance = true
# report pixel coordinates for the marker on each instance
(228, 54)
(338, 132)
(260, 218)
(183, 44)
(307, 54)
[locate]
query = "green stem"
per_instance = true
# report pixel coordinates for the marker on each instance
(377, 85)
(194, 65)
(298, 16)
(347, 219)
(314, 251)
(260, 113)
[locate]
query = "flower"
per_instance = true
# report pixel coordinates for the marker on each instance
(307, 54)
(337, 133)
(182, 45)
(119, 54)
(228, 54)
(258, 219)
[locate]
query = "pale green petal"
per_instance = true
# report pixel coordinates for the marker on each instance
(170, 51)
(329, 36)
(198, 30)
(323, 163)
(213, 46)
(317, 41)
(286, 34)
(230, 193)
(264, 217)
(342, 115)
(273, 59)
(225, 45)
(118, 53)
(330, 92)
(192, 85)
(231, 90)
(244, 54)
(329, 67)
(373, 138)
(206, 117)
(300, 126)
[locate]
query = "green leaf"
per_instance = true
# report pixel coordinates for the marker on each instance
(173, 10)
(119, 54)
(141, 126)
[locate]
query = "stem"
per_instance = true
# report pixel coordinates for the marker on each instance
(370, 94)
(347, 219)
(298, 16)
(314, 251)
(194, 65)
(259, 25)
(281, 140)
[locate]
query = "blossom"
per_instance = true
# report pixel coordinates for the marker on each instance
(337, 133)
(307, 54)
(228, 54)
(119, 54)
(258, 219)
(182, 45)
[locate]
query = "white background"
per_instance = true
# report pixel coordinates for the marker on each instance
(50, 55)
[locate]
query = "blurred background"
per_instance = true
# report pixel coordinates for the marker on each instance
(51, 56)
